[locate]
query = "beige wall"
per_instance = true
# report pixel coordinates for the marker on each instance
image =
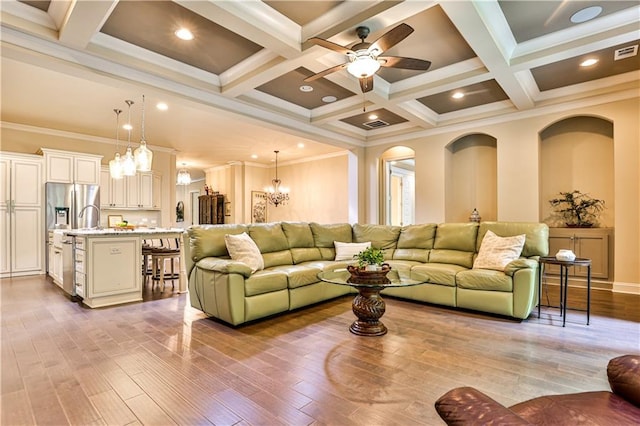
(30, 140)
(518, 175)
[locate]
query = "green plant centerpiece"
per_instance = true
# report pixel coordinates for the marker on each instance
(578, 210)
(371, 268)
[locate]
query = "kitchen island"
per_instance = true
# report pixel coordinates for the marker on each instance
(108, 263)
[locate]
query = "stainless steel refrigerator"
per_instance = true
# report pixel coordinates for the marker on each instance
(65, 203)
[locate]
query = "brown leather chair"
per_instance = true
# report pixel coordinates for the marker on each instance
(468, 406)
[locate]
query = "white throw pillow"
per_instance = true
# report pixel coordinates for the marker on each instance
(243, 249)
(346, 251)
(496, 252)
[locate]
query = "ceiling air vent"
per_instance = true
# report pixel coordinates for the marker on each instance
(375, 124)
(625, 52)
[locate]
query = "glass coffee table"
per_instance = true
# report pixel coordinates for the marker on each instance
(368, 305)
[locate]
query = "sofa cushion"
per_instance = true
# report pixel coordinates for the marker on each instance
(298, 234)
(414, 254)
(537, 235)
(455, 257)
(298, 275)
(417, 236)
(456, 236)
(275, 258)
(346, 251)
(300, 255)
(437, 273)
(208, 241)
(381, 236)
(265, 281)
(325, 235)
(484, 279)
(496, 252)
(243, 249)
(269, 237)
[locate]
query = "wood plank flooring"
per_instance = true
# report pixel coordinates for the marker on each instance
(160, 362)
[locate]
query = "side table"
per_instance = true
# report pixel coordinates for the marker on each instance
(564, 282)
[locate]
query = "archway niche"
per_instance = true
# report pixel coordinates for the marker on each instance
(471, 178)
(576, 153)
(397, 186)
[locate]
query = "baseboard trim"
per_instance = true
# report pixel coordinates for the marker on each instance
(627, 288)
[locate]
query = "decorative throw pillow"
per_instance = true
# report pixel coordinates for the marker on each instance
(496, 252)
(346, 251)
(243, 249)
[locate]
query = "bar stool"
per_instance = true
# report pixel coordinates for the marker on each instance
(159, 255)
(147, 271)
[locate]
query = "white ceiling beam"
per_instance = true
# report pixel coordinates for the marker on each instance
(474, 27)
(83, 20)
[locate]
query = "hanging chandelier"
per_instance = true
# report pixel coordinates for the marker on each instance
(115, 165)
(184, 178)
(142, 155)
(128, 162)
(275, 194)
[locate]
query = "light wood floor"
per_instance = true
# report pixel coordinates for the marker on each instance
(161, 362)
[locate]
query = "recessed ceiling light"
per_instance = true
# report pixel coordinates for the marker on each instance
(372, 116)
(162, 106)
(586, 14)
(184, 34)
(127, 126)
(588, 62)
(300, 145)
(458, 95)
(329, 99)
(306, 88)
(254, 156)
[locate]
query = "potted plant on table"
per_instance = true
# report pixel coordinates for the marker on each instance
(371, 268)
(577, 209)
(370, 259)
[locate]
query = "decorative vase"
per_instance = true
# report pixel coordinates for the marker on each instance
(565, 255)
(475, 216)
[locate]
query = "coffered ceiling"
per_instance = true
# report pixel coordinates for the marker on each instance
(237, 88)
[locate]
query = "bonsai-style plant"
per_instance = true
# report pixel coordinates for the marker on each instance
(369, 256)
(577, 209)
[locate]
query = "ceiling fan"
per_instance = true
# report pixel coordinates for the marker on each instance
(363, 59)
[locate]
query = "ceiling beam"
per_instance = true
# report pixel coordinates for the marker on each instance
(83, 20)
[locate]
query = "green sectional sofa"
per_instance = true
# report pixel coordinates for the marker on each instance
(294, 254)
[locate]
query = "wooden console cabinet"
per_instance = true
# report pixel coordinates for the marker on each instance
(211, 209)
(591, 243)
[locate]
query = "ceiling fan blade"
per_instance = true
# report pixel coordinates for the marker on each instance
(391, 38)
(325, 72)
(404, 63)
(330, 45)
(366, 84)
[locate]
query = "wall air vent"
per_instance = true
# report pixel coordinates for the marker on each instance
(375, 124)
(625, 52)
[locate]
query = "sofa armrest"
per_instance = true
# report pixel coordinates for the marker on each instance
(225, 266)
(513, 266)
(469, 406)
(624, 377)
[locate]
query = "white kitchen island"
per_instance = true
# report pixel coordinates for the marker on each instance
(108, 264)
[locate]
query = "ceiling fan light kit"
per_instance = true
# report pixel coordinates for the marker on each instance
(363, 59)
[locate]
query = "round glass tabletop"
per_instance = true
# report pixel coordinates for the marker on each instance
(397, 279)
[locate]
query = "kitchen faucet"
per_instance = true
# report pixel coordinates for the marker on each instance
(97, 210)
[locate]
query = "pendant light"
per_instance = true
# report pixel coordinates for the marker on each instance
(275, 194)
(128, 163)
(143, 155)
(184, 177)
(115, 165)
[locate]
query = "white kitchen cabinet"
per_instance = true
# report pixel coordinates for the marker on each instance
(140, 190)
(71, 167)
(108, 270)
(157, 192)
(113, 192)
(21, 219)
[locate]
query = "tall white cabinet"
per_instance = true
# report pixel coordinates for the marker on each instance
(21, 220)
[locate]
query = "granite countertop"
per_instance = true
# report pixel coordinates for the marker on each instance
(117, 232)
